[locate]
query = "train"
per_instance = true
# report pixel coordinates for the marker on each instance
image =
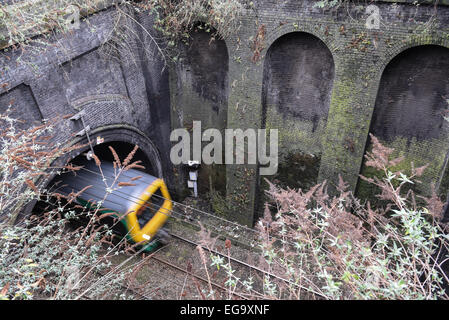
(140, 201)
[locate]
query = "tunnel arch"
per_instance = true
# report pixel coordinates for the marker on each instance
(122, 135)
(123, 138)
(408, 113)
(298, 76)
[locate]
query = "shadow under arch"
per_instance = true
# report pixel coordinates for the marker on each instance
(408, 114)
(124, 137)
(298, 76)
(202, 92)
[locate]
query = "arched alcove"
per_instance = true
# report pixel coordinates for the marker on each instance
(408, 114)
(297, 85)
(298, 78)
(202, 94)
(206, 63)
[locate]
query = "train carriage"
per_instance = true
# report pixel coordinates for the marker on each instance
(140, 201)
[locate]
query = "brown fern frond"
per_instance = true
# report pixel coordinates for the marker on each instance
(31, 185)
(134, 165)
(116, 157)
(126, 184)
(130, 156)
(97, 160)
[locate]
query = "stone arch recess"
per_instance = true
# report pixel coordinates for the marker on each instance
(298, 76)
(201, 93)
(386, 115)
(287, 28)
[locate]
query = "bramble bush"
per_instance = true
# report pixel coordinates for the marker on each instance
(41, 255)
(318, 246)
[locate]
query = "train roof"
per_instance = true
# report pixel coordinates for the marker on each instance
(121, 199)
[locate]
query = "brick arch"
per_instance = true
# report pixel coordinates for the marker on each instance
(121, 133)
(298, 77)
(226, 40)
(110, 133)
(308, 28)
(409, 105)
(409, 43)
(202, 94)
(422, 63)
(209, 78)
(305, 46)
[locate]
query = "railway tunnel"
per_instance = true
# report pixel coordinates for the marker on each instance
(136, 212)
(126, 102)
(134, 101)
(122, 142)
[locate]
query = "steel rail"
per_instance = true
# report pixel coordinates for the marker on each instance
(195, 276)
(247, 265)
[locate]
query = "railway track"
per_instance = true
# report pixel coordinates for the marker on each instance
(159, 277)
(225, 230)
(250, 270)
(181, 249)
(156, 280)
(190, 273)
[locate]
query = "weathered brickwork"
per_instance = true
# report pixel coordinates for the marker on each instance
(25, 107)
(409, 110)
(125, 97)
(327, 117)
(200, 93)
(297, 87)
(360, 56)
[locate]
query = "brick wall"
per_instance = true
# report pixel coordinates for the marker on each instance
(327, 106)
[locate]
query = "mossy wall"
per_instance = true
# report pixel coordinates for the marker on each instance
(220, 83)
(360, 56)
(297, 86)
(408, 115)
(200, 93)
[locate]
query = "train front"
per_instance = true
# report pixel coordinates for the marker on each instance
(140, 202)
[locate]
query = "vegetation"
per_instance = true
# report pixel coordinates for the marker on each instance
(22, 22)
(175, 19)
(327, 4)
(332, 247)
(313, 245)
(41, 255)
